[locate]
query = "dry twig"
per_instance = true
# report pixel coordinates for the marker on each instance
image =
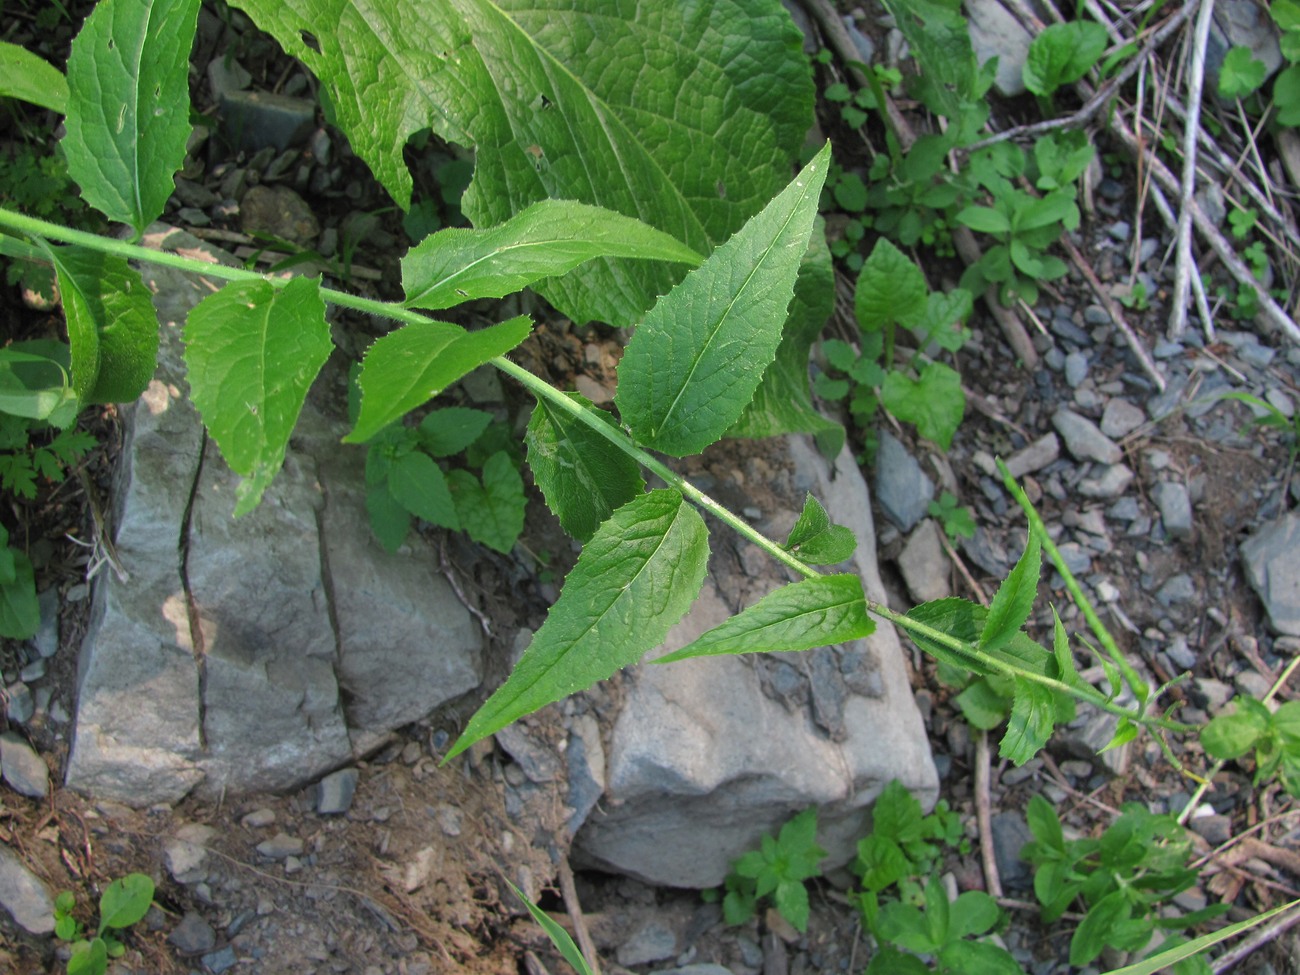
(570, 893)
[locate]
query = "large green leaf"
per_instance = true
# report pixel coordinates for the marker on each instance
(782, 402)
(551, 237)
(634, 580)
(583, 477)
(799, 616)
(684, 115)
(128, 105)
(112, 326)
(252, 352)
(890, 289)
(26, 76)
(407, 368)
(693, 366)
(934, 401)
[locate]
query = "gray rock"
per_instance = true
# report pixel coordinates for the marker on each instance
(334, 792)
(1215, 829)
(279, 211)
(585, 767)
(33, 672)
(924, 564)
(1180, 653)
(995, 32)
(20, 706)
(1178, 589)
(1272, 560)
(279, 846)
(1120, 418)
(1010, 834)
(46, 640)
(652, 941)
(1034, 457)
(1083, 439)
(703, 968)
(186, 855)
(1075, 557)
(1125, 509)
(1175, 508)
(1111, 482)
(258, 818)
(221, 960)
(691, 785)
(902, 487)
(24, 771)
(253, 120)
(193, 935)
(24, 896)
(1242, 23)
(1076, 368)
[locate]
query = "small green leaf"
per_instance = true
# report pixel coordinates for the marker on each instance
(1065, 668)
(1240, 74)
(559, 937)
(33, 79)
(549, 238)
(982, 705)
(389, 520)
(410, 366)
(815, 540)
(418, 485)
(91, 960)
(633, 581)
(890, 289)
(34, 382)
(125, 901)
(1014, 600)
(881, 862)
(799, 616)
(112, 326)
(583, 477)
(1044, 823)
(954, 617)
(791, 899)
(128, 118)
(252, 353)
(1033, 715)
(65, 927)
(1093, 933)
(972, 913)
(1125, 731)
(1062, 54)
(1232, 735)
(985, 220)
(934, 402)
(695, 362)
(451, 429)
(493, 512)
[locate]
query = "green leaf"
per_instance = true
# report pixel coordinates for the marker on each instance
(1065, 668)
(782, 403)
(1062, 54)
(791, 899)
(451, 429)
(799, 616)
(982, 705)
(252, 352)
(125, 901)
(633, 581)
(128, 118)
(695, 362)
(1033, 715)
(891, 961)
(1014, 600)
(1232, 735)
(492, 512)
(583, 477)
(389, 520)
(33, 79)
(934, 402)
(1240, 74)
(559, 937)
(1125, 731)
(549, 238)
(815, 540)
(973, 913)
(881, 862)
(418, 485)
(34, 382)
(112, 326)
(942, 321)
(1094, 931)
(1044, 823)
(410, 366)
(958, 618)
(576, 101)
(1156, 963)
(92, 960)
(890, 289)
(20, 614)
(985, 220)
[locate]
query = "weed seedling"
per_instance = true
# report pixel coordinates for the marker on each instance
(777, 869)
(124, 902)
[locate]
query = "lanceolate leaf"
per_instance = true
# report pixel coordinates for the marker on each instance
(1014, 600)
(583, 477)
(407, 368)
(634, 580)
(112, 326)
(252, 352)
(26, 76)
(799, 616)
(128, 118)
(693, 366)
(1033, 713)
(573, 100)
(418, 485)
(550, 238)
(782, 403)
(959, 618)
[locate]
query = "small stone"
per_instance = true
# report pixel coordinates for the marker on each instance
(24, 771)
(924, 565)
(1084, 440)
(1125, 509)
(1075, 557)
(1010, 834)
(46, 639)
(21, 705)
(1120, 230)
(193, 935)
(902, 487)
(334, 792)
(1179, 589)
(227, 75)
(1035, 457)
(220, 961)
(258, 119)
(1215, 829)
(33, 672)
(258, 818)
(1121, 418)
(652, 941)
(1175, 508)
(1272, 561)
(1180, 653)
(1252, 683)
(1076, 368)
(448, 819)
(279, 211)
(24, 896)
(1111, 483)
(279, 846)
(1215, 693)
(186, 854)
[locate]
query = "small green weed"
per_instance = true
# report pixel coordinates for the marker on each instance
(956, 519)
(124, 902)
(904, 847)
(1273, 736)
(777, 869)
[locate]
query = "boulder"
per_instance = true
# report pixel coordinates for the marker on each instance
(707, 755)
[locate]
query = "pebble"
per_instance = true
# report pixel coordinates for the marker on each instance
(1065, 328)
(24, 896)
(1175, 508)
(334, 792)
(1075, 557)
(1125, 509)
(1179, 589)
(24, 771)
(1111, 483)
(21, 705)
(1272, 561)
(1180, 653)
(1121, 418)
(193, 935)
(33, 672)
(1076, 368)
(1083, 439)
(902, 487)
(220, 961)
(1215, 829)
(186, 854)
(924, 565)
(1043, 451)
(258, 818)
(1120, 230)
(1215, 693)
(1252, 683)
(46, 640)
(1010, 834)
(652, 941)
(279, 846)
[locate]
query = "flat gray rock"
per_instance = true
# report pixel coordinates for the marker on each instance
(24, 771)
(1120, 418)
(1272, 559)
(24, 896)
(902, 487)
(925, 565)
(1175, 506)
(995, 32)
(1034, 457)
(1083, 439)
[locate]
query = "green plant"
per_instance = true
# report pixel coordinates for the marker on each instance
(1124, 879)
(777, 869)
(904, 847)
(1273, 736)
(1061, 54)
(956, 519)
(124, 902)
(1268, 415)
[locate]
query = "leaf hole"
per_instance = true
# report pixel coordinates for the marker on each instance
(310, 40)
